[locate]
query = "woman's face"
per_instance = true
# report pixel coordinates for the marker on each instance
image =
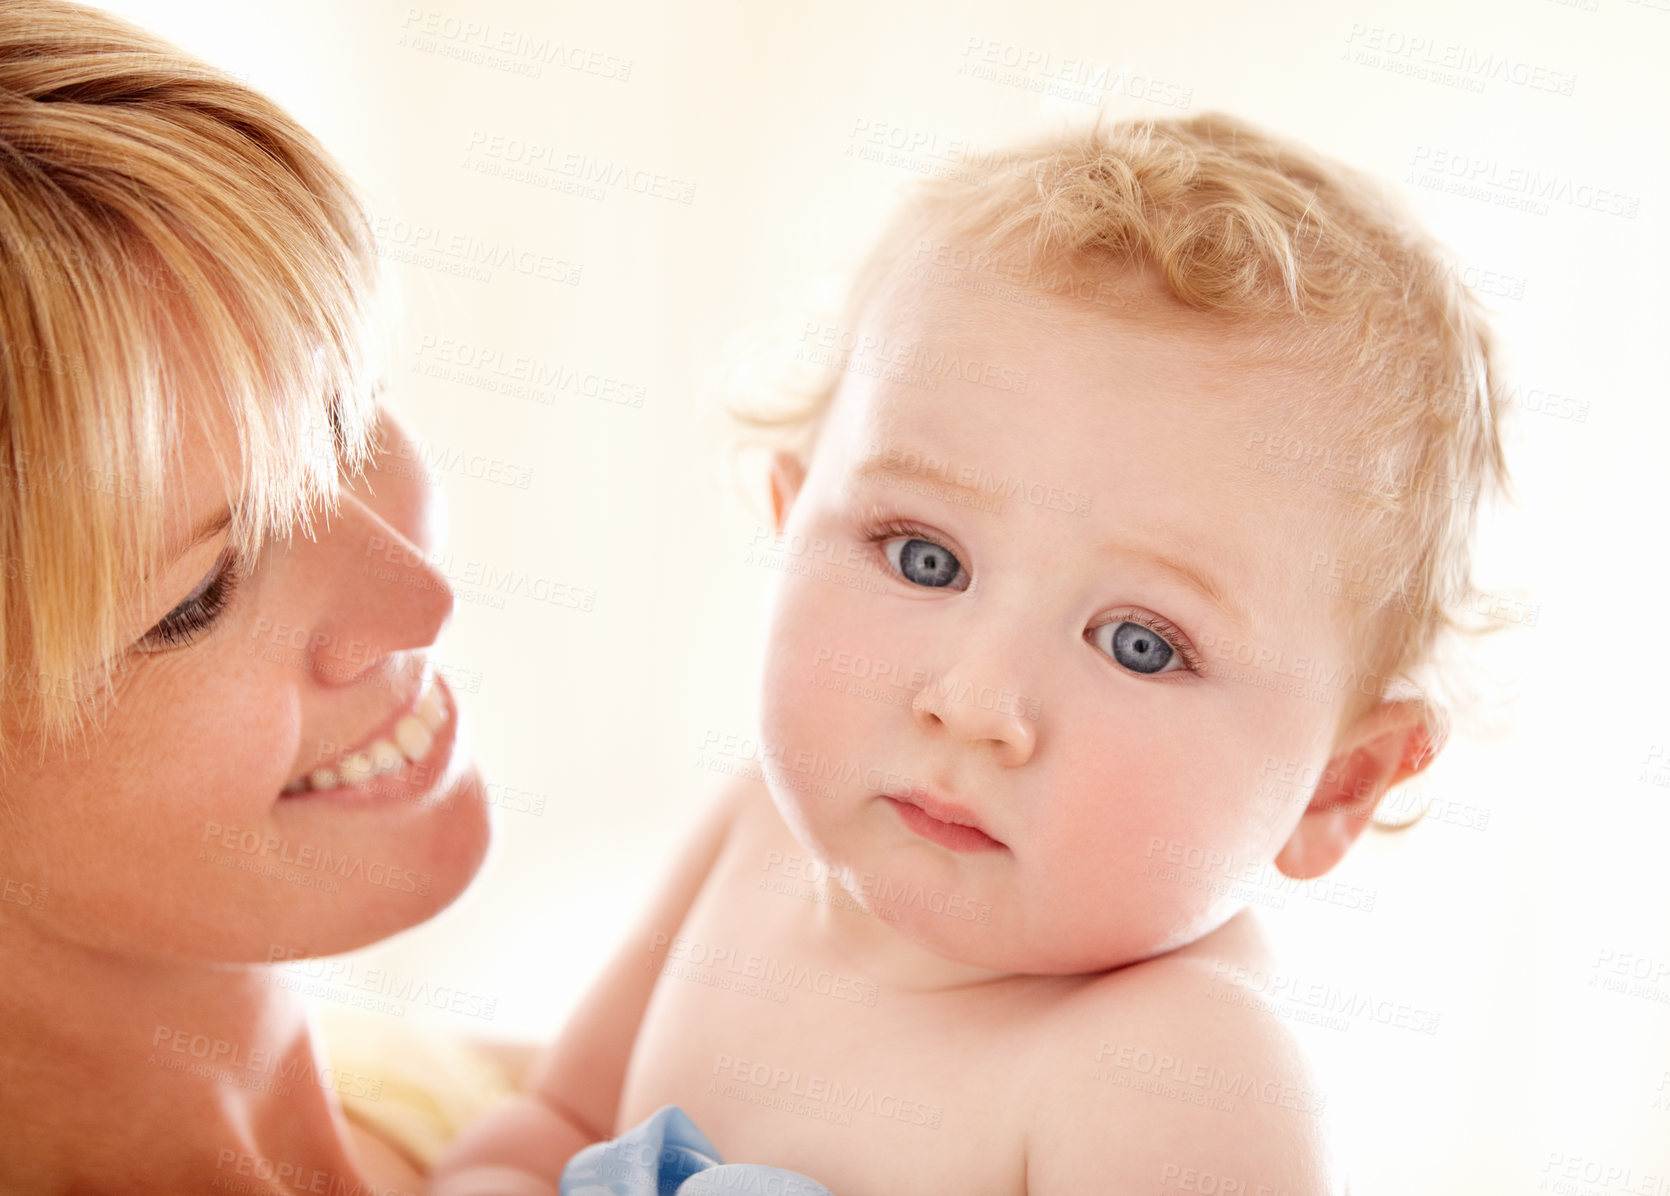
(167, 832)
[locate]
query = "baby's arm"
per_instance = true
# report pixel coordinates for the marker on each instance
(574, 1087)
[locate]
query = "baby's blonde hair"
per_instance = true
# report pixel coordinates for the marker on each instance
(164, 231)
(1318, 263)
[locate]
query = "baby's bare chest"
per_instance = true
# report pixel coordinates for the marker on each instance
(787, 1056)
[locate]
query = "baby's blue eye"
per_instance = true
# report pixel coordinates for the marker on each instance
(923, 562)
(1138, 648)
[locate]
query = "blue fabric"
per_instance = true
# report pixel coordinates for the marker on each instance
(668, 1156)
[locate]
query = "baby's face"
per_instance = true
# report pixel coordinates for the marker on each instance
(1051, 659)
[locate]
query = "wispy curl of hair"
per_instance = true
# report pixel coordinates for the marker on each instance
(1329, 276)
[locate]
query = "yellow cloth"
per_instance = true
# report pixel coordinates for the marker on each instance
(413, 1089)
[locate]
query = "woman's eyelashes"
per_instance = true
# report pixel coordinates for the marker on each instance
(198, 611)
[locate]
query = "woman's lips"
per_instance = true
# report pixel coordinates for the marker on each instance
(942, 822)
(420, 747)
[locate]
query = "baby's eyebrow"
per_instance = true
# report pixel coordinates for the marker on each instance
(879, 465)
(1206, 585)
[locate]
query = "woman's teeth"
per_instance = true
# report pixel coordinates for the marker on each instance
(414, 735)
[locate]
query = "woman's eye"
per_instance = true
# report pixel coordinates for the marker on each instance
(1138, 648)
(923, 562)
(199, 610)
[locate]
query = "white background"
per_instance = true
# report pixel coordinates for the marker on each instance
(1500, 929)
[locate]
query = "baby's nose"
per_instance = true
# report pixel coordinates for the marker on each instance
(978, 712)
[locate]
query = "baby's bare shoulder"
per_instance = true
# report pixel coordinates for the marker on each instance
(1167, 1080)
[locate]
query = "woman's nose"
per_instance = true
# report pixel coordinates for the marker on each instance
(374, 592)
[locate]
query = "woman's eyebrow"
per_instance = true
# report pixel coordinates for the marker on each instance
(210, 527)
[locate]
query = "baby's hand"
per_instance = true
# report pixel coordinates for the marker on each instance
(485, 1180)
(667, 1153)
(518, 1149)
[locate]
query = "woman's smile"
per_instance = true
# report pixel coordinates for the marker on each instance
(404, 739)
(405, 758)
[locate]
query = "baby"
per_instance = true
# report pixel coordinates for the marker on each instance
(1138, 498)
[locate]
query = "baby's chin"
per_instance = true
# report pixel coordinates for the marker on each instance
(993, 928)
(1021, 954)
(1014, 938)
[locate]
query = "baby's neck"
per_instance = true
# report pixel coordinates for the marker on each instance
(876, 948)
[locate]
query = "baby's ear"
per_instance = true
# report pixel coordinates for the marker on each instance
(786, 475)
(1390, 743)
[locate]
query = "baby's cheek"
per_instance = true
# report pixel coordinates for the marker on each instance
(791, 676)
(801, 727)
(1149, 870)
(816, 637)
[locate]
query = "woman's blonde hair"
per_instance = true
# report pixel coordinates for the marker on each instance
(1332, 278)
(165, 232)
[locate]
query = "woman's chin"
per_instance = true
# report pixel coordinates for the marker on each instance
(375, 889)
(451, 851)
(461, 845)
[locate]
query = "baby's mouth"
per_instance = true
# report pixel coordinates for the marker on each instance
(942, 821)
(407, 742)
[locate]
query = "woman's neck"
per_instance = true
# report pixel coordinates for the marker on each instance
(127, 1075)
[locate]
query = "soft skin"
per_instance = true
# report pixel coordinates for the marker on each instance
(828, 983)
(1005, 695)
(152, 922)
